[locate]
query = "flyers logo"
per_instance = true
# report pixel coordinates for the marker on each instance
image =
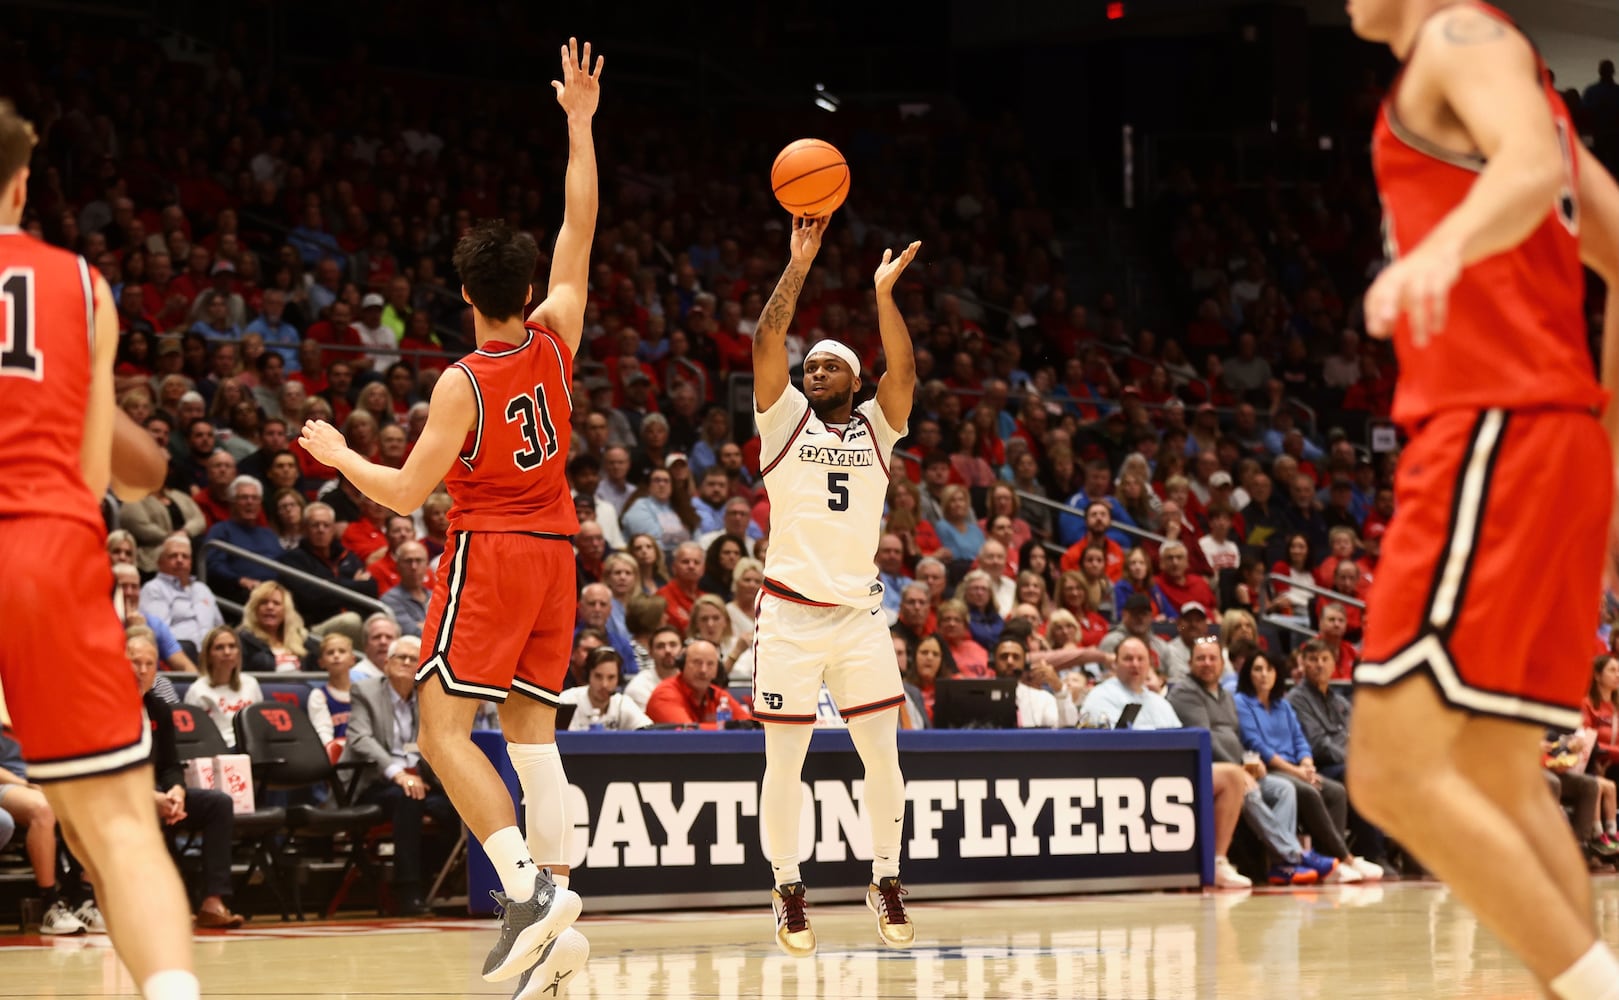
(773, 701)
(185, 722)
(280, 718)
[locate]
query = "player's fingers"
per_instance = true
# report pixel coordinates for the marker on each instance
(566, 64)
(887, 254)
(573, 53)
(584, 59)
(1441, 306)
(597, 73)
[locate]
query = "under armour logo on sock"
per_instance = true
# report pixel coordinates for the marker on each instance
(523, 864)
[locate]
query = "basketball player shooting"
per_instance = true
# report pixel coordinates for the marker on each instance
(1490, 204)
(501, 617)
(820, 610)
(74, 704)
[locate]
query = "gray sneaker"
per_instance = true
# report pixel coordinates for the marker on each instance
(529, 925)
(563, 959)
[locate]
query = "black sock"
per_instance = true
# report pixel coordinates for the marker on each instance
(50, 895)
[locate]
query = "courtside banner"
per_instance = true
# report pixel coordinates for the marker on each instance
(671, 819)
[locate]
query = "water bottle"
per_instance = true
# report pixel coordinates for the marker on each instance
(722, 715)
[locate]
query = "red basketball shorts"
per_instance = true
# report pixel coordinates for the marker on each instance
(73, 700)
(502, 616)
(1491, 574)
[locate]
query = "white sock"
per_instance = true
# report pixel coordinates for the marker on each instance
(877, 741)
(509, 854)
(545, 789)
(780, 798)
(1594, 977)
(171, 984)
(560, 881)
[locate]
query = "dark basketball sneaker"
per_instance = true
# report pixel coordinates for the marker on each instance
(528, 925)
(561, 961)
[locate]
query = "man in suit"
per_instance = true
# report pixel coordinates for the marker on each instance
(382, 735)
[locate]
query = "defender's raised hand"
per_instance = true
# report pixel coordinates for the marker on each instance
(580, 86)
(889, 270)
(323, 441)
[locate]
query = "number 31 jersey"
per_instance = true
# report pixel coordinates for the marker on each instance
(511, 473)
(47, 309)
(827, 488)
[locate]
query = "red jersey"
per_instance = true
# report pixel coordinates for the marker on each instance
(1515, 338)
(511, 474)
(47, 322)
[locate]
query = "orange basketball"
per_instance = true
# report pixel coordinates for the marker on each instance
(810, 178)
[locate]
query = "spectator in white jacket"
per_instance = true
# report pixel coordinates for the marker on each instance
(598, 700)
(1043, 700)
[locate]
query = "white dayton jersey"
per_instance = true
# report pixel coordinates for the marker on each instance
(827, 487)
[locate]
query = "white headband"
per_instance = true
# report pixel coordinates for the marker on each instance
(837, 350)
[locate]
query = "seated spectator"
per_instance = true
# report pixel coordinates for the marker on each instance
(932, 574)
(1590, 797)
(1600, 714)
(1334, 625)
(1137, 578)
(657, 512)
(1132, 666)
(329, 703)
(286, 515)
(24, 804)
(213, 497)
(983, 617)
(1271, 729)
(599, 703)
(682, 590)
(1098, 522)
(1219, 550)
(1296, 567)
(972, 659)
(904, 519)
(585, 641)
(398, 531)
(690, 695)
(713, 491)
(1135, 622)
(914, 715)
(1270, 806)
(720, 560)
(1191, 627)
(930, 662)
(393, 776)
(993, 559)
(436, 525)
(367, 535)
(1346, 586)
(649, 559)
(937, 472)
(956, 528)
(121, 548)
(1043, 700)
(891, 573)
(221, 690)
(916, 616)
(589, 548)
(185, 605)
(1002, 501)
(194, 810)
(321, 555)
(746, 581)
(128, 582)
(1074, 597)
(662, 646)
(379, 633)
(1099, 592)
(1031, 591)
(152, 520)
(408, 597)
(234, 577)
(1323, 716)
(1178, 584)
(736, 520)
(272, 633)
(711, 623)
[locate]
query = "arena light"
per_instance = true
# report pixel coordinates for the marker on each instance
(825, 99)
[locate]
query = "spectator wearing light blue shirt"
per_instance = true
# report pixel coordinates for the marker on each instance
(186, 605)
(128, 579)
(957, 530)
(279, 335)
(1128, 686)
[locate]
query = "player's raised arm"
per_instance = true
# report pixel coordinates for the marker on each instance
(1599, 250)
(1487, 75)
(897, 388)
(453, 415)
(578, 92)
(770, 337)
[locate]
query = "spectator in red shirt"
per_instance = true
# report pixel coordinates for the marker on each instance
(690, 696)
(972, 660)
(1334, 624)
(686, 568)
(1600, 712)
(367, 535)
(1098, 522)
(1180, 586)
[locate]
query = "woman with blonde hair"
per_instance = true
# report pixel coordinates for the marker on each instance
(274, 639)
(711, 622)
(1138, 499)
(375, 399)
(436, 524)
(1002, 501)
(957, 530)
(1031, 589)
(984, 621)
(361, 431)
(222, 691)
(137, 402)
(651, 568)
(121, 547)
(1074, 597)
(747, 578)
(620, 575)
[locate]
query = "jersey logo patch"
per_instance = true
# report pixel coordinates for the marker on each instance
(773, 701)
(844, 457)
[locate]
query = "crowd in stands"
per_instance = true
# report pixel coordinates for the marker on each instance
(1108, 514)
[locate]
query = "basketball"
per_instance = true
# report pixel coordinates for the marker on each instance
(810, 178)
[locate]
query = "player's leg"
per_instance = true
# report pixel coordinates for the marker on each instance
(865, 683)
(1442, 817)
(111, 824)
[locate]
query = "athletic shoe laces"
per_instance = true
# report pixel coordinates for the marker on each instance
(793, 905)
(890, 891)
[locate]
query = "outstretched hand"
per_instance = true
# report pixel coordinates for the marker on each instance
(323, 441)
(1417, 287)
(889, 270)
(580, 86)
(806, 238)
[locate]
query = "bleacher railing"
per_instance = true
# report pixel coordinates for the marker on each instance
(343, 595)
(1331, 595)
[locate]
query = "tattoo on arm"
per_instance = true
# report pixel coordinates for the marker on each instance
(1472, 28)
(778, 312)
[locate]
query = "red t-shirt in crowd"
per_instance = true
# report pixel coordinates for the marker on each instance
(1194, 589)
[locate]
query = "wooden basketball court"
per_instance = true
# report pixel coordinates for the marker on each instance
(1409, 940)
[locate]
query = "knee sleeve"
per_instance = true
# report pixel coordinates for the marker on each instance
(545, 788)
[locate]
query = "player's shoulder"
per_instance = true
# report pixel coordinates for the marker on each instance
(1462, 33)
(20, 247)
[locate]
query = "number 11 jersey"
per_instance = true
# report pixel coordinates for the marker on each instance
(511, 474)
(827, 487)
